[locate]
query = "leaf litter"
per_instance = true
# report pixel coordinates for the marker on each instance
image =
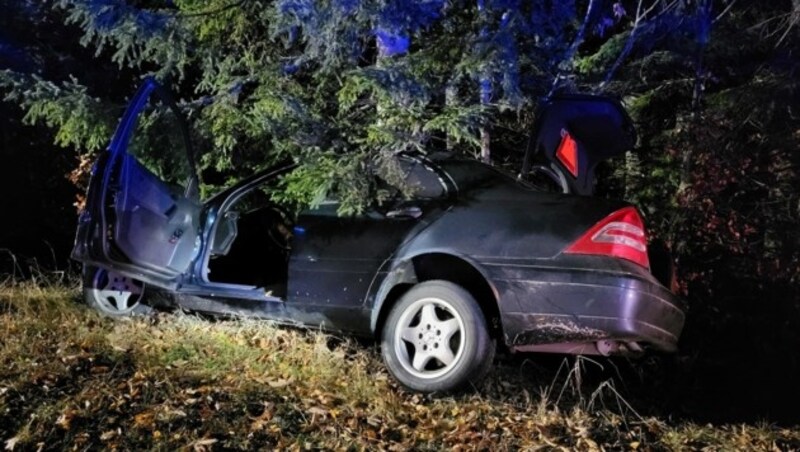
(70, 379)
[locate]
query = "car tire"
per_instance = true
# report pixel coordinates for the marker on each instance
(112, 294)
(436, 339)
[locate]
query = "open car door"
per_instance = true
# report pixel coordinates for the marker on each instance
(573, 133)
(142, 217)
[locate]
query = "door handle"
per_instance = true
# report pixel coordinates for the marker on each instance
(405, 212)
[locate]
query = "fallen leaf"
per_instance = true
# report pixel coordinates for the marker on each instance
(202, 444)
(11, 443)
(64, 420)
(143, 420)
(280, 383)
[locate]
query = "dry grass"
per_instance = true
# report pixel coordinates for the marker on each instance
(70, 379)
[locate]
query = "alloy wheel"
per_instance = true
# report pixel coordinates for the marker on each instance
(429, 338)
(114, 293)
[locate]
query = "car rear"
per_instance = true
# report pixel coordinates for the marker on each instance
(598, 296)
(571, 274)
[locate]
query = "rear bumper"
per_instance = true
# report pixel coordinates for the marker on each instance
(576, 307)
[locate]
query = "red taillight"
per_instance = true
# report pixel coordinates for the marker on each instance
(567, 153)
(620, 234)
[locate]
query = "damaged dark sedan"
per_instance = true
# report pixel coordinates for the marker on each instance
(476, 259)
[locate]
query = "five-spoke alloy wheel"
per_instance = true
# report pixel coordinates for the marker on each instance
(113, 294)
(436, 339)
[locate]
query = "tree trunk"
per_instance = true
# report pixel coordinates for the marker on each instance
(486, 96)
(704, 21)
(450, 93)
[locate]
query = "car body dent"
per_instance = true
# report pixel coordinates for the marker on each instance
(571, 303)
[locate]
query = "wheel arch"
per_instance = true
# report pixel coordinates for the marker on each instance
(430, 266)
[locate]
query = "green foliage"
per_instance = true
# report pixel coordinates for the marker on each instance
(459, 124)
(263, 82)
(604, 57)
(80, 120)
(135, 36)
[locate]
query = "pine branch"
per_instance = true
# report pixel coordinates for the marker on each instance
(216, 11)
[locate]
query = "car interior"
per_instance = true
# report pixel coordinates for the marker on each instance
(251, 245)
(251, 242)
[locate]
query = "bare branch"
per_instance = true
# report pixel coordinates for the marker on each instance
(641, 16)
(724, 11)
(794, 18)
(573, 48)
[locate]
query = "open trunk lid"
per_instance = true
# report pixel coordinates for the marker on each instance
(574, 133)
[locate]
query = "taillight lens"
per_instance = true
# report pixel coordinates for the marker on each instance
(567, 153)
(620, 234)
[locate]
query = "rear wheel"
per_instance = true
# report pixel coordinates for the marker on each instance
(113, 294)
(436, 339)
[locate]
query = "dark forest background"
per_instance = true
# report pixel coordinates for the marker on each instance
(340, 86)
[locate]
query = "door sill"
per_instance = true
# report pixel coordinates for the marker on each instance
(223, 290)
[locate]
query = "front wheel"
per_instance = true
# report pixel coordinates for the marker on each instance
(436, 339)
(113, 294)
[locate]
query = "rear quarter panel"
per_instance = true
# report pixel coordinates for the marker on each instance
(512, 223)
(505, 230)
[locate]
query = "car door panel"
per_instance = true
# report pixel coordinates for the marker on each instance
(135, 223)
(156, 226)
(334, 259)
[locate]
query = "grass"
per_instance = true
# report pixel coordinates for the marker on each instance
(70, 379)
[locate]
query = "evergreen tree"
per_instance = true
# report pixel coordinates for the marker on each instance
(340, 86)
